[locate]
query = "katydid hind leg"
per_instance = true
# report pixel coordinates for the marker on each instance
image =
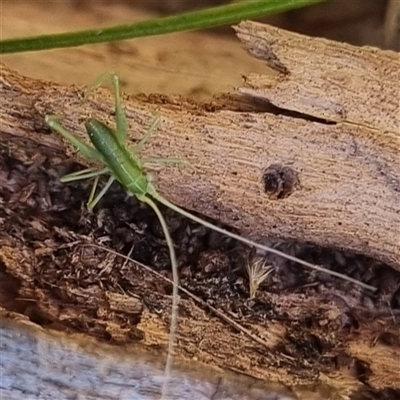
(83, 174)
(97, 83)
(145, 138)
(89, 152)
(120, 118)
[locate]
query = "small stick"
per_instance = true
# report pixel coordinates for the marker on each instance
(198, 300)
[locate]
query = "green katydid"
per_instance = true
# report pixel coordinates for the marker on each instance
(126, 167)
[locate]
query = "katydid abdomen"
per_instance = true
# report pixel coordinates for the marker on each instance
(122, 165)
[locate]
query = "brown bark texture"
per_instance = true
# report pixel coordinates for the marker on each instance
(308, 154)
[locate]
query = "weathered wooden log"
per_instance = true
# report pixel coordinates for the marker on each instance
(337, 127)
(309, 154)
(56, 366)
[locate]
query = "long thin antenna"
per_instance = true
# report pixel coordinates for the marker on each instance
(249, 242)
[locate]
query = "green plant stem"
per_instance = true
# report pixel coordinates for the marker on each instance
(210, 17)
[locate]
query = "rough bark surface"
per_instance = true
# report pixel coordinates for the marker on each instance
(337, 126)
(329, 118)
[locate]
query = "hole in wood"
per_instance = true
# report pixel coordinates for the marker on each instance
(279, 181)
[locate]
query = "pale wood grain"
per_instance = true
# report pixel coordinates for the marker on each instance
(348, 159)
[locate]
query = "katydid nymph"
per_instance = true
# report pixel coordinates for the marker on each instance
(126, 167)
